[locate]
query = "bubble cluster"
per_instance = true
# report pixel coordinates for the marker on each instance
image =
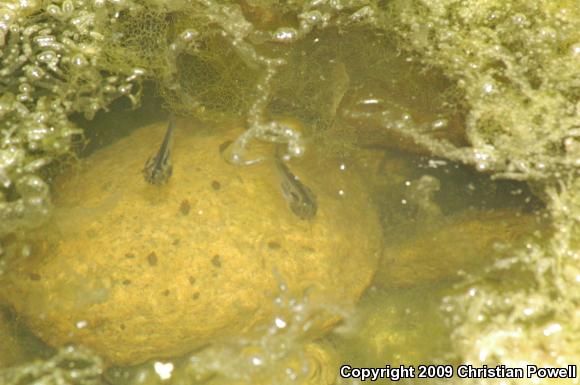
(70, 365)
(50, 69)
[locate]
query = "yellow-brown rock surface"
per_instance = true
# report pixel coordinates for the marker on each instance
(135, 271)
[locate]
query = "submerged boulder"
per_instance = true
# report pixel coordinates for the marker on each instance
(11, 351)
(135, 271)
(446, 246)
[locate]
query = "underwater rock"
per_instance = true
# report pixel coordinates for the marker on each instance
(312, 364)
(378, 129)
(135, 271)
(449, 245)
(10, 350)
(390, 327)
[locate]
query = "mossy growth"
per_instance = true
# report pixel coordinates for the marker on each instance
(510, 72)
(517, 65)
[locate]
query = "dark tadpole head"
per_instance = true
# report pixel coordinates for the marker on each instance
(300, 198)
(157, 175)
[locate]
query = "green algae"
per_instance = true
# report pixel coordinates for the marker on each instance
(69, 366)
(516, 64)
(511, 77)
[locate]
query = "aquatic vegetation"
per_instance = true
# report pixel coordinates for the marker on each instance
(524, 308)
(516, 66)
(69, 366)
(510, 78)
(63, 56)
(49, 68)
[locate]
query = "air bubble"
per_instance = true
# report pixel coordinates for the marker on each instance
(53, 10)
(25, 88)
(163, 370)
(520, 19)
(439, 124)
(32, 185)
(370, 101)
(552, 329)
(34, 73)
(36, 134)
(285, 35)
(68, 7)
(109, 89)
(257, 361)
(547, 33)
(488, 88)
(45, 41)
(79, 60)
(280, 323)
(188, 35)
(312, 17)
(529, 311)
(125, 89)
(47, 57)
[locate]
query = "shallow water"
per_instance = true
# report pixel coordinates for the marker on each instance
(470, 270)
(443, 225)
(398, 321)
